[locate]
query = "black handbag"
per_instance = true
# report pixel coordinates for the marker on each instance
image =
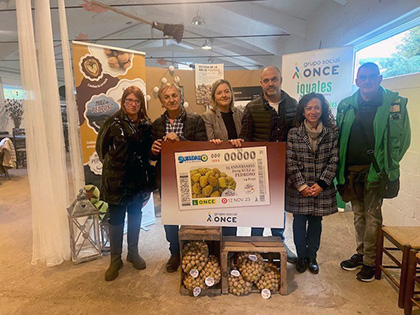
(387, 189)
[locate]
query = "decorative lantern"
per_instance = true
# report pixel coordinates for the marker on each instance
(84, 229)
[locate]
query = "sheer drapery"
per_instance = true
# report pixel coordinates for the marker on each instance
(72, 115)
(45, 146)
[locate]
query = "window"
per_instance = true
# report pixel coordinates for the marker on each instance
(185, 66)
(396, 55)
(12, 92)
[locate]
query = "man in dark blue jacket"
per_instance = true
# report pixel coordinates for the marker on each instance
(175, 124)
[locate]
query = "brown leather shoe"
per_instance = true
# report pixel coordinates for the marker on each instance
(173, 263)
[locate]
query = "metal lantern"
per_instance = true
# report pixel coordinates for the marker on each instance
(84, 229)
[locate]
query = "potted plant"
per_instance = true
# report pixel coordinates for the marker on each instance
(14, 108)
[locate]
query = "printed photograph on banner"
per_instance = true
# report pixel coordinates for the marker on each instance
(222, 178)
(205, 75)
(114, 62)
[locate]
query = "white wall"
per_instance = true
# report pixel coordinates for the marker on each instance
(405, 209)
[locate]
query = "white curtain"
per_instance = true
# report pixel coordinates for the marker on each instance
(72, 115)
(44, 135)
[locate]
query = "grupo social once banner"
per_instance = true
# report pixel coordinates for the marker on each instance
(205, 75)
(326, 71)
(218, 185)
(101, 75)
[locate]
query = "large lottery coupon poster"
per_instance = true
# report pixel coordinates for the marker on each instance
(101, 75)
(219, 185)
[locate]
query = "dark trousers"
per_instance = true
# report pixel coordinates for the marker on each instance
(171, 232)
(229, 230)
(117, 212)
(307, 235)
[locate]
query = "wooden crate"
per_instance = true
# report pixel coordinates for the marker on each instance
(258, 244)
(212, 236)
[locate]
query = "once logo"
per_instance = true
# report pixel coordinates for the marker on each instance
(224, 200)
(200, 202)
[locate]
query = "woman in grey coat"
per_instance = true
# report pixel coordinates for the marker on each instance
(223, 119)
(312, 158)
(223, 122)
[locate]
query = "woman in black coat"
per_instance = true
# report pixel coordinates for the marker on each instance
(123, 145)
(312, 158)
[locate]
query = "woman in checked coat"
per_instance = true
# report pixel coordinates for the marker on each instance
(312, 158)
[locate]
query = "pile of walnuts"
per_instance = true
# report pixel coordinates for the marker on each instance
(118, 59)
(249, 269)
(201, 270)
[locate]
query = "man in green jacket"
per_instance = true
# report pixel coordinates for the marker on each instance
(372, 120)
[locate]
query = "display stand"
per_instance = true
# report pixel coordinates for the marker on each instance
(212, 236)
(257, 244)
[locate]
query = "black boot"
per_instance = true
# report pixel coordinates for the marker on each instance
(115, 240)
(133, 232)
(302, 264)
(313, 266)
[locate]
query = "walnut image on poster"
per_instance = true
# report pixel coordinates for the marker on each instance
(206, 182)
(222, 178)
(203, 94)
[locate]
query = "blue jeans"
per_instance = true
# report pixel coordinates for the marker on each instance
(171, 232)
(117, 212)
(307, 237)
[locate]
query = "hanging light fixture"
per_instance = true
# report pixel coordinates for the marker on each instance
(198, 20)
(207, 45)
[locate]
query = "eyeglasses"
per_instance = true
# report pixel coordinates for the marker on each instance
(131, 101)
(372, 77)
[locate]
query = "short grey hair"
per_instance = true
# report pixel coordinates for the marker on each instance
(165, 87)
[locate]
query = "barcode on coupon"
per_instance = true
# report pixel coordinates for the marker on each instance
(261, 180)
(185, 189)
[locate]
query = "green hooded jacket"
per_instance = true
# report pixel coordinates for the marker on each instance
(396, 140)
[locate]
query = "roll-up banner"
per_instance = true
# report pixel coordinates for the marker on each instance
(101, 75)
(326, 71)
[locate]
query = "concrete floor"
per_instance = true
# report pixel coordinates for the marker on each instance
(81, 289)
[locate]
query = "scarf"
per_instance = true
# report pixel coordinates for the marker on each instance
(313, 134)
